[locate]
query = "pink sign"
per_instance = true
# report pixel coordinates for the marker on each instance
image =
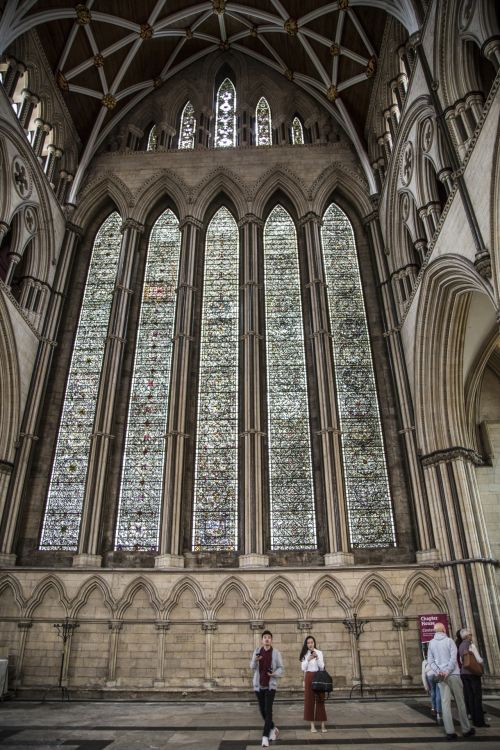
(426, 626)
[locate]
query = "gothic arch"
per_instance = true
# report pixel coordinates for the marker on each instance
(164, 183)
(332, 585)
(138, 584)
(10, 582)
(221, 180)
(280, 584)
(187, 584)
(374, 580)
(42, 588)
(280, 178)
(92, 584)
(472, 388)
(109, 186)
(336, 178)
(233, 584)
(427, 583)
(439, 345)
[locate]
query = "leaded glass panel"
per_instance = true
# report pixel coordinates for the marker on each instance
(61, 525)
(139, 510)
(153, 139)
(188, 127)
(225, 116)
(215, 515)
(293, 523)
(366, 484)
(263, 123)
(297, 132)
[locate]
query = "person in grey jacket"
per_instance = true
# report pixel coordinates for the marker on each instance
(442, 659)
(267, 666)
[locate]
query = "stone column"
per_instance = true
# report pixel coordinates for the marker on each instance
(41, 132)
(53, 155)
(252, 437)
(337, 536)
(401, 625)
(162, 628)
(170, 551)
(115, 627)
(63, 184)
(27, 107)
(100, 442)
(14, 72)
(28, 434)
(209, 627)
(23, 626)
(462, 538)
(418, 496)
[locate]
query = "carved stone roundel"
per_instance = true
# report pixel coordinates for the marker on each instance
(22, 178)
(405, 207)
(407, 164)
(427, 135)
(465, 14)
(30, 220)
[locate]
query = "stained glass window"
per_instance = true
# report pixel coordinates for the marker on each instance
(263, 123)
(297, 132)
(293, 524)
(225, 116)
(188, 127)
(142, 478)
(67, 485)
(153, 139)
(215, 517)
(366, 484)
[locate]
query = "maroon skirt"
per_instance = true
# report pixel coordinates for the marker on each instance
(314, 703)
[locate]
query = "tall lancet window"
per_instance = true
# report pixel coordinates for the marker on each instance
(142, 476)
(297, 132)
(225, 115)
(188, 127)
(215, 514)
(263, 123)
(63, 511)
(153, 139)
(366, 484)
(293, 524)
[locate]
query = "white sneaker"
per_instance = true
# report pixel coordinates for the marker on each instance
(265, 742)
(274, 734)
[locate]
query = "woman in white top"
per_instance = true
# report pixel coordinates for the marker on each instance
(311, 660)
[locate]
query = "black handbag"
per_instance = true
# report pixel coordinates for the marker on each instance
(322, 682)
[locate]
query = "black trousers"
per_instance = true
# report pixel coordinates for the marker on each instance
(473, 695)
(266, 700)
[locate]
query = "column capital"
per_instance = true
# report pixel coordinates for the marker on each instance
(304, 625)
(257, 625)
(190, 221)
(162, 625)
(452, 454)
(209, 626)
(310, 217)
(400, 623)
(132, 224)
(25, 624)
(250, 219)
(74, 229)
(115, 625)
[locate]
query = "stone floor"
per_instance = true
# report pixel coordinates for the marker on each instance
(230, 725)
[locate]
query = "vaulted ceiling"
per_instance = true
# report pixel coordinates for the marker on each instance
(107, 55)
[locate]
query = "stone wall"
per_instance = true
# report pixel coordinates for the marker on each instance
(170, 632)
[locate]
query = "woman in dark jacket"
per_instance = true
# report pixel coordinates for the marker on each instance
(473, 692)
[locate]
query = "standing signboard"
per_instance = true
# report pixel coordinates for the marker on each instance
(426, 626)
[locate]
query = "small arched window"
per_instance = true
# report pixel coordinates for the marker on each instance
(225, 117)
(153, 139)
(297, 132)
(187, 129)
(264, 133)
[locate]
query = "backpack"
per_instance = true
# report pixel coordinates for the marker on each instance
(322, 682)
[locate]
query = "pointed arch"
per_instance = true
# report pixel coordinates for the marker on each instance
(153, 139)
(10, 395)
(141, 583)
(297, 132)
(104, 188)
(225, 115)
(233, 584)
(280, 178)
(94, 583)
(280, 583)
(375, 581)
(327, 582)
(428, 584)
(42, 588)
(187, 129)
(164, 183)
(191, 585)
(12, 583)
(263, 123)
(220, 180)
